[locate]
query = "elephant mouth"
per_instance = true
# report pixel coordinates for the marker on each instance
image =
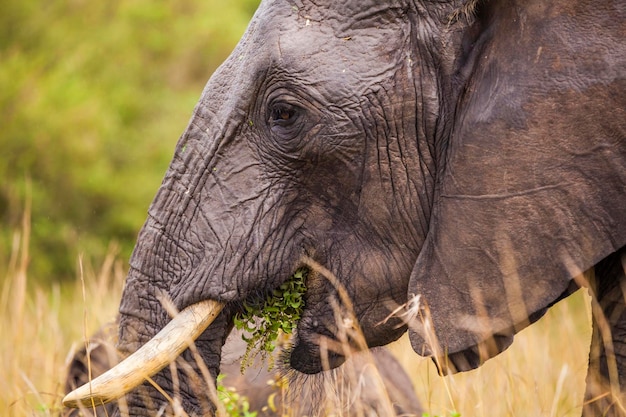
(312, 345)
(303, 357)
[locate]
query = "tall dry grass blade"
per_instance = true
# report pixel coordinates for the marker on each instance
(33, 390)
(602, 331)
(18, 276)
(13, 307)
(81, 274)
(559, 388)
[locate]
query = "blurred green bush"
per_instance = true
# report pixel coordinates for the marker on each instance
(93, 97)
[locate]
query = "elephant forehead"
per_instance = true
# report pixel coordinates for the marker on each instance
(330, 46)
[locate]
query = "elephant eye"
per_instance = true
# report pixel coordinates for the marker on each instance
(282, 115)
(286, 120)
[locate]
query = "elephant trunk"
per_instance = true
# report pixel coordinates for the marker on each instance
(192, 340)
(190, 380)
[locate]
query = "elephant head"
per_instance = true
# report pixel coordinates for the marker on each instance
(468, 164)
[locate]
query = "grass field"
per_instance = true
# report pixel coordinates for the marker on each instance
(541, 374)
(41, 328)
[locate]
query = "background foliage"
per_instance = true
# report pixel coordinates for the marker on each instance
(93, 96)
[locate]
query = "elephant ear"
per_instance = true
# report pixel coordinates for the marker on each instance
(532, 191)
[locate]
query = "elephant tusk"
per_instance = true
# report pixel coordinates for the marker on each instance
(149, 359)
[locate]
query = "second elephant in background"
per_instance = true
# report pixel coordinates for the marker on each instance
(370, 383)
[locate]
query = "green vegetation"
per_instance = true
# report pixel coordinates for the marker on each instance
(266, 318)
(235, 404)
(93, 97)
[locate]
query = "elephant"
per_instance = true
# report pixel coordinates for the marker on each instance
(448, 168)
(93, 359)
(366, 385)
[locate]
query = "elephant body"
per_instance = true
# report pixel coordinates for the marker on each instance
(446, 168)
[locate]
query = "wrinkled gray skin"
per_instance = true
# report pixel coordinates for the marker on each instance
(413, 149)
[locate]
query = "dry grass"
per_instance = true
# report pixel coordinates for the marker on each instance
(542, 374)
(42, 327)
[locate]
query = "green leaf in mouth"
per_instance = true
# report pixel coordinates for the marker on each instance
(265, 320)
